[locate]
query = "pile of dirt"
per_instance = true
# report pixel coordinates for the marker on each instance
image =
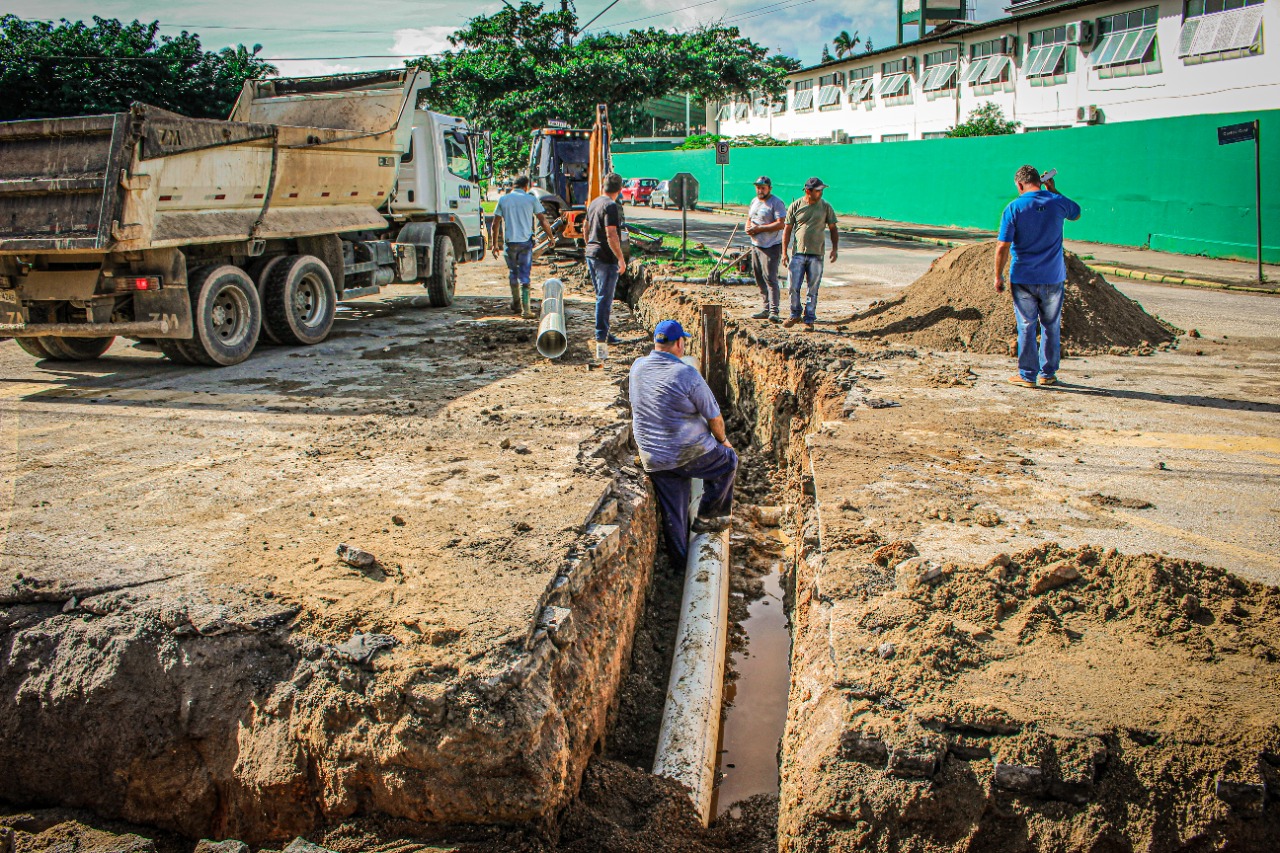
(955, 306)
(1086, 698)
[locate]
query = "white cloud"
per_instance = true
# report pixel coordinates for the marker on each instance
(320, 67)
(423, 40)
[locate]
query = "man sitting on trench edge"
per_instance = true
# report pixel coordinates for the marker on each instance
(680, 432)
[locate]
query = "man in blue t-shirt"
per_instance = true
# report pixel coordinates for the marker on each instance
(678, 427)
(1032, 228)
(516, 213)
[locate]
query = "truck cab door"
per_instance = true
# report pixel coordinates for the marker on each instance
(460, 188)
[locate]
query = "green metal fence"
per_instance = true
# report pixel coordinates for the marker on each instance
(1164, 183)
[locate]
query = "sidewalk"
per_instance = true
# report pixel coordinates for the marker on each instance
(1122, 261)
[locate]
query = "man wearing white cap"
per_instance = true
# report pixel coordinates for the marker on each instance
(765, 220)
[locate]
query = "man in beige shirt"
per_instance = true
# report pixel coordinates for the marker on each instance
(807, 218)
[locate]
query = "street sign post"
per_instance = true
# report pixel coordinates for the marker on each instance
(684, 192)
(1244, 132)
(722, 160)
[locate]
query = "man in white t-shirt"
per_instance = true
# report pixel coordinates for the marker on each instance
(765, 220)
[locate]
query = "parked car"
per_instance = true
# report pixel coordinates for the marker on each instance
(661, 196)
(638, 190)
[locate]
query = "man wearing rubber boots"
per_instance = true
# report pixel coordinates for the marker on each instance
(516, 214)
(1031, 230)
(680, 432)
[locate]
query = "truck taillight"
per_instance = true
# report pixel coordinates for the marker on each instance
(131, 283)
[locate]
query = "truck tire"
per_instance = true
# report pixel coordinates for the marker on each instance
(76, 349)
(227, 314)
(259, 271)
(444, 273)
(33, 346)
(299, 301)
(175, 351)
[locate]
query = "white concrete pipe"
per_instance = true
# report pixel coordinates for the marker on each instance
(552, 339)
(691, 718)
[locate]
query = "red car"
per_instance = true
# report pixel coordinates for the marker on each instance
(637, 190)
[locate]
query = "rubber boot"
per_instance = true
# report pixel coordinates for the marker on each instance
(524, 302)
(515, 298)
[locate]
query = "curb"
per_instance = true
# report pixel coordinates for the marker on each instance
(1122, 272)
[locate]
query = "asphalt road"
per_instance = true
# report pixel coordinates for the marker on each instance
(873, 268)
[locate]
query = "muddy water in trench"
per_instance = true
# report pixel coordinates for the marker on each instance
(756, 701)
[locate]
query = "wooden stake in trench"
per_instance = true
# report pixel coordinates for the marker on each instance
(715, 354)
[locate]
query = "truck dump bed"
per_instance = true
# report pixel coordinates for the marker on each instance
(148, 178)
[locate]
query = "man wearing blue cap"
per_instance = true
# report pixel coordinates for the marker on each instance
(680, 432)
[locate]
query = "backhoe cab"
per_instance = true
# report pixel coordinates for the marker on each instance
(567, 168)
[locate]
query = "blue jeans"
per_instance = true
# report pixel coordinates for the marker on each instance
(716, 469)
(604, 278)
(519, 258)
(803, 266)
(1038, 308)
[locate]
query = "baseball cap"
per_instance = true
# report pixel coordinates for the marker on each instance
(814, 184)
(763, 179)
(669, 331)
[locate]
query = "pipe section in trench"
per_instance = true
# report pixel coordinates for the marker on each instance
(691, 717)
(552, 339)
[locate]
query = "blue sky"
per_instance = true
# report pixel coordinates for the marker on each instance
(384, 29)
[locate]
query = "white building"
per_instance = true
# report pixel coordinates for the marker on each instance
(1046, 66)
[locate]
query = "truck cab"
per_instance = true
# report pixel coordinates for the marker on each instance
(439, 178)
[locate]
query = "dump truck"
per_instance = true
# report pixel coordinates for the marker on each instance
(204, 235)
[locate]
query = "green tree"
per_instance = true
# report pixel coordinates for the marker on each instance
(708, 140)
(74, 68)
(826, 54)
(845, 43)
(986, 120)
(512, 71)
(868, 46)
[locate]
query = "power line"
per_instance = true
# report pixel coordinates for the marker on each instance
(662, 14)
(263, 58)
(169, 26)
(598, 14)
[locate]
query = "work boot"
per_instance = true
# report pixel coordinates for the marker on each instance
(613, 339)
(515, 299)
(774, 318)
(761, 315)
(790, 321)
(524, 302)
(710, 524)
(602, 351)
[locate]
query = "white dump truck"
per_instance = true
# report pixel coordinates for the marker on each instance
(202, 235)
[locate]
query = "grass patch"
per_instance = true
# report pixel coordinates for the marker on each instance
(488, 206)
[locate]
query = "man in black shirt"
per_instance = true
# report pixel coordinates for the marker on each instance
(605, 258)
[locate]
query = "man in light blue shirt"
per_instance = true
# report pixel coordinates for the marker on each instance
(1031, 229)
(678, 427)
(515, 214)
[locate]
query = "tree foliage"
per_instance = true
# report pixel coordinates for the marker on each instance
(708, 140)
(844, 43)
(74, 68)
(986, 120)
(514, 70)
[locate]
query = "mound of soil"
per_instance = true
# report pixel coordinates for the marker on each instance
(954, 306)
(1081, 697)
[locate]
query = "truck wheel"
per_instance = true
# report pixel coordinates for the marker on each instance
(260, 271)
(33, 346)
(299, 301)
(76, 349)
(227, 314)
(175, 351)
(444, 272)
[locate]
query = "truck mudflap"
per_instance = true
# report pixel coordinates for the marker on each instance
(164, 313)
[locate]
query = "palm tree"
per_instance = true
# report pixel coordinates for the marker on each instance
(845, 43)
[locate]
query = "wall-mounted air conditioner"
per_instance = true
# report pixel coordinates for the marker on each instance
(1080, 32)
(1089, 115)
(1010, 44)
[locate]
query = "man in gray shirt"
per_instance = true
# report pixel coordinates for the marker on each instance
(678, 427)
(765, 220)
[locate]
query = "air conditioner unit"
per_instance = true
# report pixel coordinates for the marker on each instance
(1089, 114)
(1010, 44)
(839, 137)
(1080, 32)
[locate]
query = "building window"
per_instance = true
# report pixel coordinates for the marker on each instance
(939, 134)
(759, 105)
(722, 114)
(940, 71)
(740, 110)
(989, 62)
(804, 96)
(780, 105)
(893, 87)
(894, 137)
(1048, 127)
(1127, 39)
(1047, 60)
(860, 82)
(859, 140)
(829, 88)
(1220, 29)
